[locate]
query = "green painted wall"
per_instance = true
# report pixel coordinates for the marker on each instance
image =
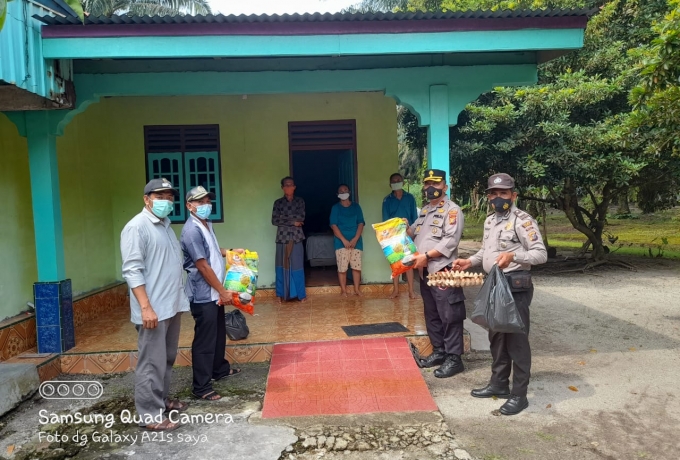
(87, 188)
(102, 175)
(18, 270)
(254, 144)
(89, 245)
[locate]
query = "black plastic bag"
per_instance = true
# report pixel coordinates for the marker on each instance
(235, 322)
(495, 307)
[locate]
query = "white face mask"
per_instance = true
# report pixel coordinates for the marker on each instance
(397, 186)
(343, 196)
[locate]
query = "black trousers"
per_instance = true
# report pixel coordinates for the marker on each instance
(512, 351)
(444, 316)
(208, 346)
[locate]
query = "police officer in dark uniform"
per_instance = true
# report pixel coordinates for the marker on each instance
(436, 233)
(511, 240)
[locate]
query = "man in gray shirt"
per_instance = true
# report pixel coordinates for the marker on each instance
(205, 266)
(152, 267)
(511, 240)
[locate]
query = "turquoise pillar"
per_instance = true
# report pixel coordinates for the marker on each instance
(438, 129)
(52, 292)
(47, 223)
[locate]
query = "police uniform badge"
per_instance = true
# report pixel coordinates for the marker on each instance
(418, 229)
(526, 224)
(453, 216)
(533, 236)
(508, 226)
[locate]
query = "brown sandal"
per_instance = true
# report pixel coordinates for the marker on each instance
(232, 372)
(175, 404)
(165, 425)
(211, 396)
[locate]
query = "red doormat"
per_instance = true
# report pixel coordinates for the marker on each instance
(344, 377)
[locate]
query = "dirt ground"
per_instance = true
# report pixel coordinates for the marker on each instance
(606, 362)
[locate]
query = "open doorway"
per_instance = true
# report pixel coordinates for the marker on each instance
(322, 156)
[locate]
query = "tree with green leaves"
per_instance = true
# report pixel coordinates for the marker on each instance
(571, 134)
(146, 7)
(656, 99)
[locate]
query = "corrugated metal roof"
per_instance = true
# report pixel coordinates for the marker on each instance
(316, 17)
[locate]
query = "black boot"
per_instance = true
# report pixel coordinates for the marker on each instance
(452, 366)
(435, 359)
(490, 391)
(514, 405)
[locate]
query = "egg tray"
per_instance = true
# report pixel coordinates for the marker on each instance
(455, 279)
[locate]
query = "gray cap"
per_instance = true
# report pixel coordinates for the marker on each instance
(199, 192)
(502, 180)
(160, 185)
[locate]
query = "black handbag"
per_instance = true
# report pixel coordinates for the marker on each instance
(235, 322)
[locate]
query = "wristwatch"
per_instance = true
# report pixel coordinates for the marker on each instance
(427, 256)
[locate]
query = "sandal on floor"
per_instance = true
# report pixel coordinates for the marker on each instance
(232, 372)
(165, 425)
(176, 404)
(211, 396)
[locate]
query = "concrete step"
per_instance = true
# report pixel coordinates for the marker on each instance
(17, 383)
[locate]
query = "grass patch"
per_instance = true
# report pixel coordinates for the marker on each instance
(493, 457)
(637, 236)
(545, 436)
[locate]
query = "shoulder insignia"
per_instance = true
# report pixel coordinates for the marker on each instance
(453, 216)
(522, 215)
(527, 224)
(533, 236)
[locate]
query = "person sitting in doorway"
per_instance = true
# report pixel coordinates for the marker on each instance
(288, 215)
(347, 222)
(403, 205)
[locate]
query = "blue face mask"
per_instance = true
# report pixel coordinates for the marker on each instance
(203, 211)
(161, 208)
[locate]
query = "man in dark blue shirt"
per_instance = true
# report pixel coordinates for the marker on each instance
(403, 205)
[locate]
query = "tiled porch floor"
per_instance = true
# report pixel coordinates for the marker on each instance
(320, 318)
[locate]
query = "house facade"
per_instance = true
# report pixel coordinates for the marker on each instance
(233, 104)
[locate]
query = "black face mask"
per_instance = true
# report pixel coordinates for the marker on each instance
(501, 205)
(432, 193)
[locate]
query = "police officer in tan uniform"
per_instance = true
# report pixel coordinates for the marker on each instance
(511, 240)
(436, 233)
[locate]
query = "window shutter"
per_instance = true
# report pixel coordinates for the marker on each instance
(203, 168)
(322, 135)
(169, 166)
(187, 156)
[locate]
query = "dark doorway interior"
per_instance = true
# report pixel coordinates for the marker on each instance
(317, 175)
(322, 156)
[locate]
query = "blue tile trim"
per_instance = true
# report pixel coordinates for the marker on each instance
(45, 290)
(47, 311)
(49, 339)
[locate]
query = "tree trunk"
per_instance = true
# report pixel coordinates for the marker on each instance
(532, 209)
(568, 202)
(624, 207)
